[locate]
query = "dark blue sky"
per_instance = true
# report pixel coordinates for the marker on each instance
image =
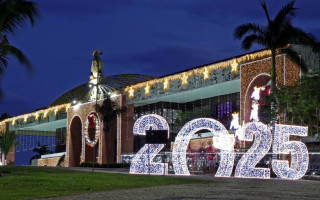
(154, 37)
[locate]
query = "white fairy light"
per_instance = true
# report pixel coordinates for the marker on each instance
(179, 160)
(234, 125)
(254, 112)
(97, 131)
(224, 142)
(256, 93)
(298, 150)
(143, 163)
(262, 143)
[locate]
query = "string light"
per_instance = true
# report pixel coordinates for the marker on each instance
(143, 163)
(234, 66)
(35, 114)
(147, 89)
(166, 84)
(97, 130)
(201, 70)
(234, 125)
(184, 136)
(298, 150)
(131, 92)
(184, 79)
(205, 73)
(262, 143)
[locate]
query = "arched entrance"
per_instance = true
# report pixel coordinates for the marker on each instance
(75, 145)
(259, 81)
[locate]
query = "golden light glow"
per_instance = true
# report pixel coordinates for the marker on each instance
(67, 107)
(166, 84)
(234, 66)
(131, 92)
(147, 89)
(35, 114)
(184, 79)
(200, 71)
(206, 73)
(55, 111)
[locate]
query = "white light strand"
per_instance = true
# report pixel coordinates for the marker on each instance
(262, 143)
(143, 163)
(298, 150)
(97, 131)
(182, 140)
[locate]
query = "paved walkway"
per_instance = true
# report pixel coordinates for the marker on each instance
(219, 188)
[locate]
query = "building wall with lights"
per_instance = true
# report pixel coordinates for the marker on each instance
(218, 90)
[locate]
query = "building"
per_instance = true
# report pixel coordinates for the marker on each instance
(216, 90)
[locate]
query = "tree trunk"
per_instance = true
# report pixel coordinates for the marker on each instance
(274, 113)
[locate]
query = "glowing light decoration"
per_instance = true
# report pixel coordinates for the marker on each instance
(25, 119)
(36, 116)
(147, 89)
(256, 93)
(234, 66)
(262, 143)
(45, 114)
(206, 73)
(93, 124)
(143, 163)
(184, 79)
(166, 84)
(234, 125)
(298, 150)
(179, 160)
(131, 92)
(224, 142)
(255, 112)
(239, 132)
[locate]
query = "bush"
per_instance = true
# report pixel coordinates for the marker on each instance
(105, 165)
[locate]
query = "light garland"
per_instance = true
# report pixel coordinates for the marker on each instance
(298, 150)
(234, 66)
(206, 73)
(200, 71)
(262, 143)
(36, 114)
(234, 125)
(179, 160)
(143, 163)
(184, 79)
(147, 89)
(166, 84)
(97, 130)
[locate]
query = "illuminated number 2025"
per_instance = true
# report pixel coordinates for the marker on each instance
(143, 164)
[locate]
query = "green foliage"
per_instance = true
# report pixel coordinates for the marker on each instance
(105, 165)
(109, 111)
(38, 182)
(300, 104)
(7, 142)
(41, 149)
(61, 159)
(186, 116)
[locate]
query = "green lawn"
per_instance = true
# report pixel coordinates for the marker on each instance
(30, 182)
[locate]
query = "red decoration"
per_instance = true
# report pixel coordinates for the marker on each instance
(92, 124)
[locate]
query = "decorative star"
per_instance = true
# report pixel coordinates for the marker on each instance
(184, 79)
(131, 92)
(37, 116)
(205, 73)
(147, 89)
(166, 84)
(234, 66)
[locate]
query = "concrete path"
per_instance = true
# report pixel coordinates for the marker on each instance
(219, 188)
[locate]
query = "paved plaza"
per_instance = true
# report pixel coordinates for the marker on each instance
(217, 188)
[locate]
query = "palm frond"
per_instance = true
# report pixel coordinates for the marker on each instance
(248, 28)
(306, 39)
(285, 15)
(295, 57)
(264, 6)
(14, 14)
(253, 38)
(8, 49)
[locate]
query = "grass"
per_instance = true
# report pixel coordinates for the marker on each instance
(19, 182)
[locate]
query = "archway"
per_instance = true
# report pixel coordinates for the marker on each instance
(75, 142)
(258, 81)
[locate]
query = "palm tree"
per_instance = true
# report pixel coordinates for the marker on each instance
(7, 142)
(275, 36)
(13, 16)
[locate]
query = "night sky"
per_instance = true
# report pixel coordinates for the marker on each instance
(154, 37)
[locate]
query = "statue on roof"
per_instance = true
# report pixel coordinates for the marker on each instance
(96, 66)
